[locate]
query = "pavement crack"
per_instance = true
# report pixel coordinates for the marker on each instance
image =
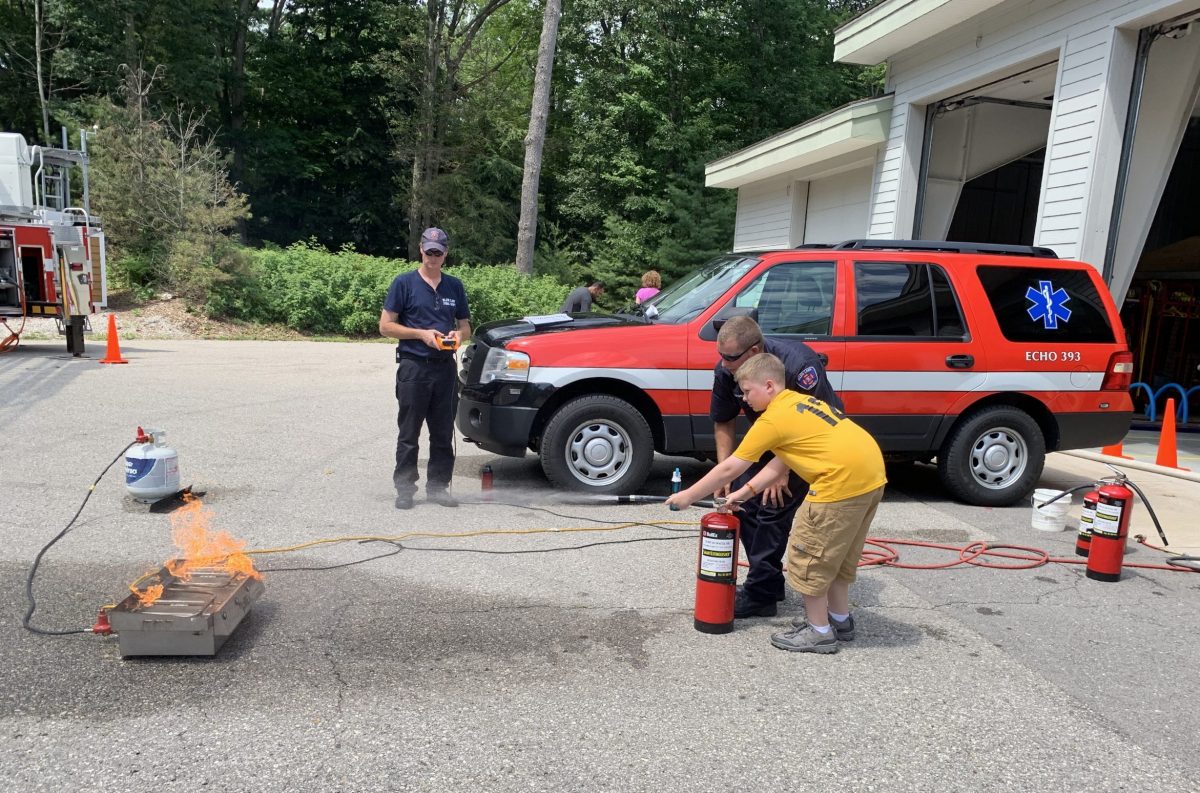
(1073, 586)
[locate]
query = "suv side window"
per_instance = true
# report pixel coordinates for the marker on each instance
(906, 299)
(1037, 304)
(793, 297)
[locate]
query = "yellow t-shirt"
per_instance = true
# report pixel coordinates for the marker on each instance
(838, 458)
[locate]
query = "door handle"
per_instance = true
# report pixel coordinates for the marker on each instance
(960, 361)
(823, 358)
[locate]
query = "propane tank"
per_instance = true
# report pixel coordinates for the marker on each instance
(716, 572)
(1083, 541)
(151, 467)
(1110, 527)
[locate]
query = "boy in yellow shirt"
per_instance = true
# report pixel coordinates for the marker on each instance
(844, 467)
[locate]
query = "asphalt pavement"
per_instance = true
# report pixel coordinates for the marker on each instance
(441, 667)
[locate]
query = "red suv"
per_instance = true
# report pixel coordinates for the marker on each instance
(984, 357)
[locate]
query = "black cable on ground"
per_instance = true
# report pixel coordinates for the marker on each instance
(545, 550)
(399, 548)
(38, 559)
(658, 526)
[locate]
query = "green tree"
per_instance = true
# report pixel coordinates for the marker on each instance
(317, 139)
(649, 93)
(161, 184)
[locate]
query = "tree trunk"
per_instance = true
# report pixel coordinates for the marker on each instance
(423, 161)
(535, 138)
(237, 102)
(39, 25)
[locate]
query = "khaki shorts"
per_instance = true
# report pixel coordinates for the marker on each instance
(826, 541)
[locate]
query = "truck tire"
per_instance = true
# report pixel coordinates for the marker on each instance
(597, 444)
(993, 457)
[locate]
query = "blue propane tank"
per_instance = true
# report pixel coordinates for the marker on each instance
(151, 467)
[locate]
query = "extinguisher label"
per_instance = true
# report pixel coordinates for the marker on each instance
(1086, 519)
(716, 558)
(1107, 520)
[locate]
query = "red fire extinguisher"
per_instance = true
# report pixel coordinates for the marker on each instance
(716, 572)
(1083, 541)
(1110, 527)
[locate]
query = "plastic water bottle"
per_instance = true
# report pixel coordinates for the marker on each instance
(676, 485)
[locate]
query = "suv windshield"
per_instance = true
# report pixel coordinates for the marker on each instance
(685, 300)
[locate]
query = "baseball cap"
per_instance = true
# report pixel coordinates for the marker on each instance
(434, 239)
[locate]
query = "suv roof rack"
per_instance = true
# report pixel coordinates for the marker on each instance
(948, 247)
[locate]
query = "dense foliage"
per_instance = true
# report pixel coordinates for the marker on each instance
(357, 121)
(317, 291)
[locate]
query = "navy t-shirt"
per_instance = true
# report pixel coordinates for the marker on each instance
(417, 305)
(804, 373)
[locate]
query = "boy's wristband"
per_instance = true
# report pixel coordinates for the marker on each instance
(753, 492)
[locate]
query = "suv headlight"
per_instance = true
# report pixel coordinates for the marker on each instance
(502, 364)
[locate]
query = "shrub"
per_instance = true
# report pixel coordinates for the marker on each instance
(314, 290)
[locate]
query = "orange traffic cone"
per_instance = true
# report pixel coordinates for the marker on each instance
(1115, 451)
(113, 355)
(1167, 456)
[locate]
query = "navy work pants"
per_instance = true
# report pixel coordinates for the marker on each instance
(764, 535)
(426, 393)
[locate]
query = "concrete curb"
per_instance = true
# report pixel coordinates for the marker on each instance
(1137, 465)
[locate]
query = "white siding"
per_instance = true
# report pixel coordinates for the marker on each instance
(1091, 95)
(887, 173)
(764, 215)
(838, 207)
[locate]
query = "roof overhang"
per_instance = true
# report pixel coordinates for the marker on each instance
(850, 129)
(892, 26)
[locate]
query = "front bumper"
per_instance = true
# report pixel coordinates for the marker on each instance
(500, 417)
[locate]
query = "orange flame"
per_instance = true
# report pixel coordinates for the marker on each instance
(149, 595)
(198, 547)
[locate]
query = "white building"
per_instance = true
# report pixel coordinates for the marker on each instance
(1046, 122)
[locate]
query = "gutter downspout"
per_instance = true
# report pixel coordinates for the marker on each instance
(1146, 38)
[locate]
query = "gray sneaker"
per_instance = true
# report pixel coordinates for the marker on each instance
(843, 629)
(805, 640)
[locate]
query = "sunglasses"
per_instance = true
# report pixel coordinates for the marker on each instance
(434, 253)
(732, 358)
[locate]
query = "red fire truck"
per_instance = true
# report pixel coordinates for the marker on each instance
(52, 260)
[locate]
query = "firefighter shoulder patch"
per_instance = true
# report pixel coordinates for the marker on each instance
(807, 379)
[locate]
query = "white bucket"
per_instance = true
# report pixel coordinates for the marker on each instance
(1049, 517)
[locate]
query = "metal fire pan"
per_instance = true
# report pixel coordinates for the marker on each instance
(193, 617)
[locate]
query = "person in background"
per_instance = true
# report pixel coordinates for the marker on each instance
(651, 286)
(422, 307)
(581, 297)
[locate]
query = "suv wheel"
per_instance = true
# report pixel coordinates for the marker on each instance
(994, 457)
(597, 444)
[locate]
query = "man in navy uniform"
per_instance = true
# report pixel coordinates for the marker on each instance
(767, 521)
(423, 307)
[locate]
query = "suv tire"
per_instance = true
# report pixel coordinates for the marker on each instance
(597, 444)
(993, 457)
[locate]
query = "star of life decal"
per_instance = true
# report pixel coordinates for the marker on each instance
(1048, 305)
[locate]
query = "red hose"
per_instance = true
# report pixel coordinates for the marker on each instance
(879, 551)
